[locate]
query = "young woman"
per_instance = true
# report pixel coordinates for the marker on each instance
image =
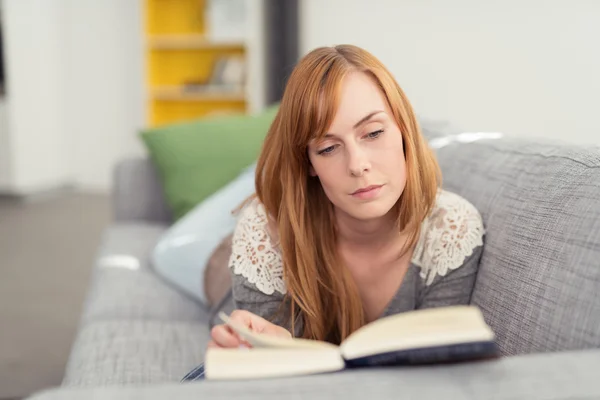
(349, 223)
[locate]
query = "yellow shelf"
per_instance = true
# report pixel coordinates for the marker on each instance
(176, 93)
(166, 112)
(191, 42)
(175, 17)
(179, 51)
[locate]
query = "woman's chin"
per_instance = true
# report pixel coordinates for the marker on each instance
(369, 211)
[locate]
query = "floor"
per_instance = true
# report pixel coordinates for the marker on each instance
(46, 254)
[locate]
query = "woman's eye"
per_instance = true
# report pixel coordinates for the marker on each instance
(326, 150)
(376, 134)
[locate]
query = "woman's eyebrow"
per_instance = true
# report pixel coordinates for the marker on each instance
(364, 119)
(367, 118)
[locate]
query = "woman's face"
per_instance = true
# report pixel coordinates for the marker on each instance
(360, 162)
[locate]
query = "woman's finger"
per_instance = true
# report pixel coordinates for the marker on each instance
(258, 324)
(223, 336)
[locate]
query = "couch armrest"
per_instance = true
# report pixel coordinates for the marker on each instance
(556, 376)
(137, 193)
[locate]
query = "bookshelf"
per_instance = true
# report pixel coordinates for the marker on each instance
(189, 73)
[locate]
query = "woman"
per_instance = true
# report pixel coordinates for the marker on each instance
(349, 223)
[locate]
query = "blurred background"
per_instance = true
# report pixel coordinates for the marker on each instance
(79, 79)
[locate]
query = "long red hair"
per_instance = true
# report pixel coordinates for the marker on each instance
(320, 289)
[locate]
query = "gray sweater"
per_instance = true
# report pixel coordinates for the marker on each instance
(442, 271)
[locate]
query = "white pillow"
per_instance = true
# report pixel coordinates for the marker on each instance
(182, 253)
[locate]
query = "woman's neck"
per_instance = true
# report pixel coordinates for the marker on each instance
(375, 233)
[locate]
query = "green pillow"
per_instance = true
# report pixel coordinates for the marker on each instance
(195, 159)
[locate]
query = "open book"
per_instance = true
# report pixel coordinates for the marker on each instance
(439, 335)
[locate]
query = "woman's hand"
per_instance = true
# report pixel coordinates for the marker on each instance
(224, 336)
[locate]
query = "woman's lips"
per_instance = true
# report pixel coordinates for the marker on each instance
(368, 192)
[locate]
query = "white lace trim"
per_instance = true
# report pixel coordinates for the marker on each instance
(252, 253)
(448, 236)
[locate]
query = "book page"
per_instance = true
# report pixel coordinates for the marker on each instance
(418, 329)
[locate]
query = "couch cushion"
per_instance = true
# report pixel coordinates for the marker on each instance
(563, 376)
(135, 352)
(124, 286)
(540, 269)
(196, 158)
(183, 252)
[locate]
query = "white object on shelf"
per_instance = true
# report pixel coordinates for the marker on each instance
(234, 72)
(227, 19)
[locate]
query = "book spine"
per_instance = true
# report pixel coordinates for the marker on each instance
(429, 355)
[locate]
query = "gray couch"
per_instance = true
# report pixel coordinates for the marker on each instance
(538, 286)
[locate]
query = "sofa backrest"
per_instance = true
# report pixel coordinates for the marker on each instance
(539, 277)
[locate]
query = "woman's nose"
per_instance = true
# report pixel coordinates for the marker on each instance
(358, 162)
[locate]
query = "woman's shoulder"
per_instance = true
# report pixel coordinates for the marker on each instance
(254, 252)
(252, 216)
(449, 235)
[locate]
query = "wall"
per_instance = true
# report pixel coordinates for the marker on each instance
(34, 60)
(255, 42)
(105, 86)
(75, 97)
(5, 162)
(74, 92)
(522, 67)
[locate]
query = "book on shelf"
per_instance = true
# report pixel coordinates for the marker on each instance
(432, 336)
